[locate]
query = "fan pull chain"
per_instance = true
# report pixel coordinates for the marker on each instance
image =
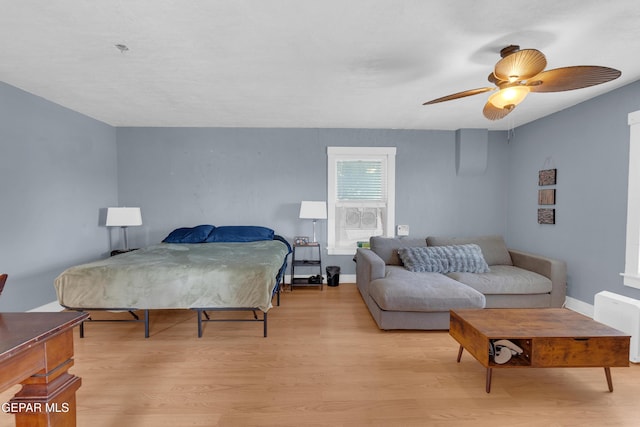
(511, 130)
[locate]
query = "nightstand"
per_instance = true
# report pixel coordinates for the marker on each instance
(307, 256)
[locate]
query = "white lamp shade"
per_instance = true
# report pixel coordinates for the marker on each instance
(313, 210)
(123, 217)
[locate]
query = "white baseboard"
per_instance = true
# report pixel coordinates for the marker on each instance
(53, 306)
(348, 278)
(579, 306)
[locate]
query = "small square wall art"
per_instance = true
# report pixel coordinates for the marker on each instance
(547, 197)
(547, 177)
(546, 216)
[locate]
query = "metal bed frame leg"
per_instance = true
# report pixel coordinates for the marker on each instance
(134, 315)
(264, 320)
(201, 311)
(146, 323)
(199, 323)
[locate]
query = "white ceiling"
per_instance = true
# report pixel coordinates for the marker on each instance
(303, 63)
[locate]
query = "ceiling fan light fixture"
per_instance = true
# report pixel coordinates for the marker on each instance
(522, 71)
(510, 96)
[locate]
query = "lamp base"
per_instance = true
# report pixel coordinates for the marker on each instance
(126, 242)
(314, 232)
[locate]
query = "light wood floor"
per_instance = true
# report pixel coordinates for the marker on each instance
(325, 363)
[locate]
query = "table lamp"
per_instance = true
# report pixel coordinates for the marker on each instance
(123, 218)
(314, 211)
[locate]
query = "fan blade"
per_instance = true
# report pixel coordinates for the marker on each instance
(520, 65)
(570, 78)
(492, 112)
(460, 95)
(496, 81)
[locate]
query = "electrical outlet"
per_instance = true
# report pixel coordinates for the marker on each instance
(403, 230)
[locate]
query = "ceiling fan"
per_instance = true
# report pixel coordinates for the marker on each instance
(522, 71)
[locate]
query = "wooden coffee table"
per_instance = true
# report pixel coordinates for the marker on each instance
(549, 338)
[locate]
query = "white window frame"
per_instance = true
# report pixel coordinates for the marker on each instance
(631, 273)
(334, 154)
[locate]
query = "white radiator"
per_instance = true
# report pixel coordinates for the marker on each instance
(621, 313)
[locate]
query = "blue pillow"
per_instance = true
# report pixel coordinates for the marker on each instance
(240, 233)
(189, 234)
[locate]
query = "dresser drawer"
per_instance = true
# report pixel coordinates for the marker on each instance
(580, 352)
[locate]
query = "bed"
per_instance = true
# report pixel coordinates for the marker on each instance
(203, 268)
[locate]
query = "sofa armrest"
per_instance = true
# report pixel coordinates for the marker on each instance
(555, 270)
(369, 266)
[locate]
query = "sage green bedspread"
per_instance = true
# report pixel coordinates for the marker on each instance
(166, 275)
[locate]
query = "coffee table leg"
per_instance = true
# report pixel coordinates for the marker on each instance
(488, 386)
(607, 373)
(460, 353)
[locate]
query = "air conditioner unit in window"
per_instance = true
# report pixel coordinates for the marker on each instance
(361, 218)
(369, 218)
(352, 218)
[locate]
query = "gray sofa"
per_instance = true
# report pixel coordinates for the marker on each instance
(401, 299)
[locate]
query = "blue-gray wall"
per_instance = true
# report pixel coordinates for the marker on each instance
(57, 168)
(222, 176)
(589, 146)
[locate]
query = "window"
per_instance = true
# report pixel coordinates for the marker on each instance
(632, 260)
(361, 196)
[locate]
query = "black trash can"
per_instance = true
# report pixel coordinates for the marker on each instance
(333, 275)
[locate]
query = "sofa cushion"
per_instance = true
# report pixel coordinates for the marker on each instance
(444, 259)
(387, 247)
(402, 290)
(505, 279)
(493, 247)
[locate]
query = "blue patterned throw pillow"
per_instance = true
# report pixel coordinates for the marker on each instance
(444, 259)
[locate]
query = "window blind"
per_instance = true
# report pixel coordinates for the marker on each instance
(361, 180)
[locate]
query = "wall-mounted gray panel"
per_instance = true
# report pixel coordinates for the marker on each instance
(472, 148)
